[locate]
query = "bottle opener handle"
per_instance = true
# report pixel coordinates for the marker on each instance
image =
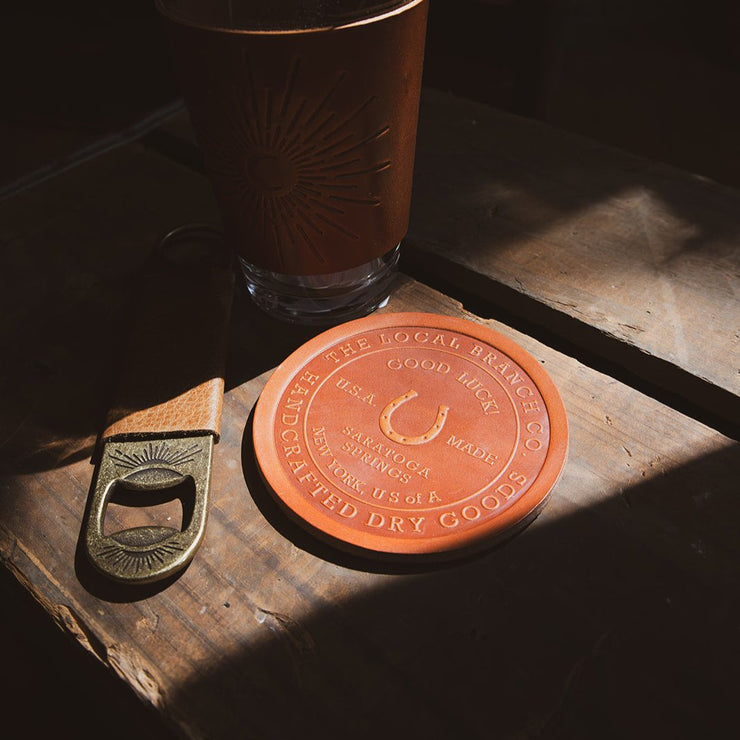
(149, 553)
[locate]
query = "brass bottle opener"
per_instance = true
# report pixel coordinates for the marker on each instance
(166, 418)
(144, 554)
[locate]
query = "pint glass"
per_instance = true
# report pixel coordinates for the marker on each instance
(305, 112)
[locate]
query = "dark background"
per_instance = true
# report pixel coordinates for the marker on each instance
(656, 77)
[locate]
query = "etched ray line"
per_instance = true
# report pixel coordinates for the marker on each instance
(123, 459)
(116, 554)
(334, 167)
(352, 115)
(293, 122)
(292, 76)
(183, 458)
(254, 100)
(309, 136)
(186, 451)
(375, 169)
(325, 100)
(337, 226)
(239, 124)
(268, 115)
(247, 127)
(302, 211)
(358, 201)
(325, 206)
(151, 454)
(373, 137)
(243, 125)
(289, 228)
(320, 180)
(327, 186)
(287, 213)
(306, 188)
(276, 134)
(306, 139)
(310, 243)
(299, 200)
(287, 99)
(263, 213)
(282, 215)
(275, 223)
(311, 154)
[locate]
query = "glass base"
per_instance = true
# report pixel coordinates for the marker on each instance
(323, 299)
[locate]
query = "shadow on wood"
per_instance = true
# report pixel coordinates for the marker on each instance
(583, 628)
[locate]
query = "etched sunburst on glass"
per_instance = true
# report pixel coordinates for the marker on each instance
(294, 167)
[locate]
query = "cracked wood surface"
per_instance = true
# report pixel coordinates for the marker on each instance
(614, 614)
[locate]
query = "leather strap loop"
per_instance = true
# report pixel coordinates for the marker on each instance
(172, 370)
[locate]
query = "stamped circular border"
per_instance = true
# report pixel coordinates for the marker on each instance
(286, 492)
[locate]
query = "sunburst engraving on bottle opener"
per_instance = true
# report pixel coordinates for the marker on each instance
(295, 163)
(156, 464)
(148, 553)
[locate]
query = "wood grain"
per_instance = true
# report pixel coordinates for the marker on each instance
(613, 615)
(627, 259)
(646, 254)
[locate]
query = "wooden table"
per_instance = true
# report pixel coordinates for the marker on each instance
(614, 615)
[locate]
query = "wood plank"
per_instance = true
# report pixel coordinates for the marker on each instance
(80, 89)
(627, 259)
(614, 614)
(72, 248)
(40, 152)
(44, 671)
(645, 254)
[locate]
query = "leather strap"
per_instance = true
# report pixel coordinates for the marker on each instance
(172, 370)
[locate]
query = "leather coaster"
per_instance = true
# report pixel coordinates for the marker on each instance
(411, 434)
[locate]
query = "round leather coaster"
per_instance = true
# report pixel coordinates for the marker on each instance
(411, 434)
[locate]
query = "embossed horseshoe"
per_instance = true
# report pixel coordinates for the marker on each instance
(387, 428)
